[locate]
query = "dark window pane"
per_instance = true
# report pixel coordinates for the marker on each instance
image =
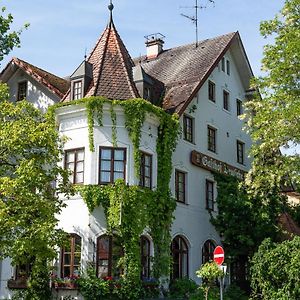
(112, 165)
(188, 129)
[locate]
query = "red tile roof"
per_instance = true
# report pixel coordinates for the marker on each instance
(288, 226)
(112, 68)
(55, 84)
(184, 69)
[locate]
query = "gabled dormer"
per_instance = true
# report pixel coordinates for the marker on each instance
(81, 80)
(143, 83)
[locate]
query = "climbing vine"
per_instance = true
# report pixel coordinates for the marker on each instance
(129, 210)
(113, 117)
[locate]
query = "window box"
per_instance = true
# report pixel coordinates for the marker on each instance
(67, 283)
(20, 283)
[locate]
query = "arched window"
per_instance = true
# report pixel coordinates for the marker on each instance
(109, 252)
(208, 251)
(180, 258)
(71, 257)
(145, 257)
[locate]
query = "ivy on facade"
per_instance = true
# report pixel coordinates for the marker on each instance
(130, 210)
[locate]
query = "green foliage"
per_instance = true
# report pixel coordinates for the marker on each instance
(233, 292)
(239, 211)
(272, 116)
(8, 39)
(114, 125)
(275, 270)
(93, 288)
(209, 272)
(129, 210)
(30, 149)
(128, 214)
(182, 288)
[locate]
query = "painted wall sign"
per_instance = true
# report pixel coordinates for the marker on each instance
(206, 162)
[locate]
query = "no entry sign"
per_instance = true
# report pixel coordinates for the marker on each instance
(219, 255)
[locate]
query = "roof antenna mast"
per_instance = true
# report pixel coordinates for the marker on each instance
(195, 19)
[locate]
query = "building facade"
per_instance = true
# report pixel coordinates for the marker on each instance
(205, 85)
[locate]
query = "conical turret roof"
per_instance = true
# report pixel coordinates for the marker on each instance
(112, 68)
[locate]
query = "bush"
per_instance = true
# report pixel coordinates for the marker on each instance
(275, 270)
(182, 288)
(92, 287)
(233, 292)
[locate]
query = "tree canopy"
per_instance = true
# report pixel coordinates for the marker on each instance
(30, 149)
(275, 270)
(273, 115)
(8, 38)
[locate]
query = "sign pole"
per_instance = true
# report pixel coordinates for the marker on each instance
(219, 256)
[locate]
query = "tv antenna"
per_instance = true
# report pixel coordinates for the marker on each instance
(194, 18)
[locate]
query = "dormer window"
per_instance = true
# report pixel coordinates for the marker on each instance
(77, 90)
(22, 90)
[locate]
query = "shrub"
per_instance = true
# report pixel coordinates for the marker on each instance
(182, 288)
(92, 287)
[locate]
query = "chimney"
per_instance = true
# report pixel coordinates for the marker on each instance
(154, 43)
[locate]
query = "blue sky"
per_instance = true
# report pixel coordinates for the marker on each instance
(60, 31)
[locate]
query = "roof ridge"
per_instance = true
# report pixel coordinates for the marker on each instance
(190, 44)
(43, 70)
(30, 70)
(132, 86)
(102, 61)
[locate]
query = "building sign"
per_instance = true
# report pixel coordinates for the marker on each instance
(211, 164)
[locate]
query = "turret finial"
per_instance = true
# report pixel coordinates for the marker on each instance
(111, 7)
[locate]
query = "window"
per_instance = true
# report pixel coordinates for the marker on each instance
(77, 90)
(109, 252)
(147, 93)
(228, 67)
(211, 91)
(21, 275)
(74, 161)
(71, 257)
(225, 100)
(180, 258)
(223, 64)
(239, 107)
(112, 164)
(209, 195)
(240, 149)
(145, 257)
(211, 138)
(208, 251)
(22, 90)
(146, 170)
(188, 128)
(180, 186)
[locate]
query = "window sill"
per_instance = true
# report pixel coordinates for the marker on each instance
(64, 286)
(182, 203)
(191, 143)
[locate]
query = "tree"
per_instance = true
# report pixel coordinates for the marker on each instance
(238, 213)
(8, 39)
(275, 271)
(273, 115)
(209, 272)
(30, 149)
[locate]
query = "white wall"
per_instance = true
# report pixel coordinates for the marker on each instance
(37, 94)
(192, 218)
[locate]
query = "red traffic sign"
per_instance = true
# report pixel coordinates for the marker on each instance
(219, 255)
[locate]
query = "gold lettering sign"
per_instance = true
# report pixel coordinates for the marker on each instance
(211, 164)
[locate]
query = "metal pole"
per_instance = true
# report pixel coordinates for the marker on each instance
(221, 288)
(196, 23)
